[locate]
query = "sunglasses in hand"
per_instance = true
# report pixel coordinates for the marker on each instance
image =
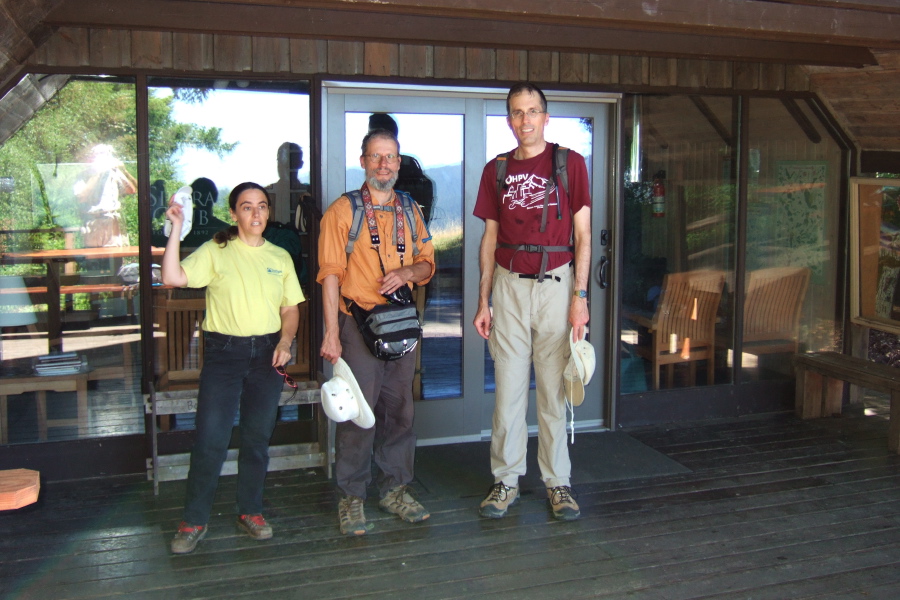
(288, 380)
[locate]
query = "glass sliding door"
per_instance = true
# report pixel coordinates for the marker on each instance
(450, 133)
(431, 171)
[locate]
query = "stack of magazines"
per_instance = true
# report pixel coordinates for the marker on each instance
(65, 363)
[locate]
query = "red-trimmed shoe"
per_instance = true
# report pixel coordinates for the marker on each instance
(255, 526)
(186, 538)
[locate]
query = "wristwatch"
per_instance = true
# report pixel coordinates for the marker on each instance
(580, 293)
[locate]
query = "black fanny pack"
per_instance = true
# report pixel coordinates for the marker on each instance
(389, 330)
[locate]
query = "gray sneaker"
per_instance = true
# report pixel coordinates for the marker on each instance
(186, 538)
(398, 501)
(500, 497)
(562, 501)
(352, 515)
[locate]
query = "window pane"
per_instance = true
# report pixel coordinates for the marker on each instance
(794, 181)
(68, 230)
(212, 135)
(431, 171)
(678, 240)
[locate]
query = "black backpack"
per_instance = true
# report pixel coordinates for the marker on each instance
(412, 180)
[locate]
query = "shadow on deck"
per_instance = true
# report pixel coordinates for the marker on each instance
(763, 507)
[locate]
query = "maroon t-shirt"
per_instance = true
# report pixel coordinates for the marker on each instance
(519, 210)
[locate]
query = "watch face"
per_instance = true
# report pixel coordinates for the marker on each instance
(581, 293)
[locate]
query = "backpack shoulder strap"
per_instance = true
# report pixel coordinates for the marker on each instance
(356, 206)
(562, 167)
(413, 211)
(501, 163)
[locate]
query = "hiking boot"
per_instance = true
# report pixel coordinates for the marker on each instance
(399, 501)
(255, 526)
(352, 515)
(562, 501)
(186, 538)
(500, 497)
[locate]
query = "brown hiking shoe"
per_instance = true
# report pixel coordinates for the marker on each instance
(352, 516)
(399, 501)
(500, 497)
(562, 501)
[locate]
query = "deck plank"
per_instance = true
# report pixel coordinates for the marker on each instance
(773, 507)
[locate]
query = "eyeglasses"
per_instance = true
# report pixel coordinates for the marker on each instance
(288, 380)
(376, 158)
(531, 113)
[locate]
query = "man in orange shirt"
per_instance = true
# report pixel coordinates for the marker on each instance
(366, 278)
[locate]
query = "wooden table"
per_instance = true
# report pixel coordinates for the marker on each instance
(54, 259)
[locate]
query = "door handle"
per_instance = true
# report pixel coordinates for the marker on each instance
(603, 273)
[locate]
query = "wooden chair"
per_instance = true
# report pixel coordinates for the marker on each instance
(772, 307)
(179, 341)
(688, 305)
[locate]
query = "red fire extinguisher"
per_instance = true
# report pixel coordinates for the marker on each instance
(659, 195)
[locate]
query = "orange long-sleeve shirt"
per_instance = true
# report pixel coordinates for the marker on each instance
(358, 274)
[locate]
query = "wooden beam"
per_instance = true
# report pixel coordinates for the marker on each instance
(873, 22)
(883, 6)
(458, 30)
(713, 120)
(803, 122)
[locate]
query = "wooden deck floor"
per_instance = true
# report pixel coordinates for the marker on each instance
(773, 508)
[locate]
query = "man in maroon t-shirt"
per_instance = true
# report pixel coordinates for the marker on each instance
(535, 257)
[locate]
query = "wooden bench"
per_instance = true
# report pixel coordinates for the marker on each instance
(820, 386)
(173, 467)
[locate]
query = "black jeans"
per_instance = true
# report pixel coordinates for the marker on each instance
(237, 373)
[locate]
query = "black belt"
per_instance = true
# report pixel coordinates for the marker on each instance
(538, 275)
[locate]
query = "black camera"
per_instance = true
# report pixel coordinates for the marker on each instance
(401, 296)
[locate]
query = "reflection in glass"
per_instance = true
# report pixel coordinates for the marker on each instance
(678, 240)
(228, 132)
(876, 257)
(68, 229)
(793, 196)
(431, 171)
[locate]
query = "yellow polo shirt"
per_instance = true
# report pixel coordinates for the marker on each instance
(245, 286)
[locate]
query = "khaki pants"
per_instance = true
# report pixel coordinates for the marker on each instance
(530, 324)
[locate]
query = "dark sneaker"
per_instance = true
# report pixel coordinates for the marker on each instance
(255, 526)
(398, 501)
(352, 515)
(562, 501)
(500, 497)
(186, 538)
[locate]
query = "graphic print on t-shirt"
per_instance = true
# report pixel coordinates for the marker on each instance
(526, 190)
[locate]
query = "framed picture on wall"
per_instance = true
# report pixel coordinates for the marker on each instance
(875, 253)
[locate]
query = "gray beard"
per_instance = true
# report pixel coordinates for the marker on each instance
(383, 187)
